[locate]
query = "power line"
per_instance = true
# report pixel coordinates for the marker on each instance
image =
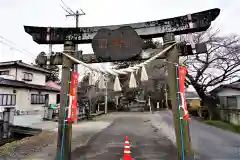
(69, 9)
(17, 45)
(14, 48)
(71, 12)
(11, 46)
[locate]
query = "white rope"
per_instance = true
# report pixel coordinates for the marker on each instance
(138, 66)
(82, 63)
(120, 71)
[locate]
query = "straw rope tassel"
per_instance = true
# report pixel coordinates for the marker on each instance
(144, 76)
(101, 82)
(132, 82)
(91, 79)
(117, 86)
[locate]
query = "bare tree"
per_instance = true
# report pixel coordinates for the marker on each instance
(220, 64)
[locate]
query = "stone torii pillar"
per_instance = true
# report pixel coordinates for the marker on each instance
(172, 57)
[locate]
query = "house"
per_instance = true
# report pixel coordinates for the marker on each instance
(193, 99)
(229, 97)
(23, 87)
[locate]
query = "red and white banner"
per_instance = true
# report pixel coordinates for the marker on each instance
(182, 70)
(72, 101)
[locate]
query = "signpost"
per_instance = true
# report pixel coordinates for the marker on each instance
(121, 44)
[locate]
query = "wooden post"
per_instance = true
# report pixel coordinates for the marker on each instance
(172, 59)
(64, 142)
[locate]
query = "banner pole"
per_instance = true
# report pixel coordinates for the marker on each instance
(180, 113)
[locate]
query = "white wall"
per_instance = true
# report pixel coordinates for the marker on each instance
(52, 96)
(23, 98)
(38, 77)
(6, 90)
(17, 74)
(230, 92)
(12, 73)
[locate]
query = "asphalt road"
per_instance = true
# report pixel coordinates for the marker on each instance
(147, 143)
(210, 143)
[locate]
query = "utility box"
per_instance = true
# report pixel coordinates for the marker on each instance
(51, 112)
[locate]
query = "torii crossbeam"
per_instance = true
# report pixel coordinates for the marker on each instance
(195, 22)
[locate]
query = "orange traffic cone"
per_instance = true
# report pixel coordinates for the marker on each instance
(126, 154)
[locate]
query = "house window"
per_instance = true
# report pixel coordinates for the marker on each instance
(27, 76)
(5, 72)
(232, 102)
(7, 99)
(37, 99)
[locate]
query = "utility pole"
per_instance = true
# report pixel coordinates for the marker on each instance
(65, 131)
(172, 59)
(76, 15)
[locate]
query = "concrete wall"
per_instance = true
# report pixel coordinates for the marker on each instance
(23, 98)
(230, 115)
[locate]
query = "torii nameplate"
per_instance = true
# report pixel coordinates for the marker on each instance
(190, 23)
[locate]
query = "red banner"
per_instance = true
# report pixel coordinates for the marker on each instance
(72, 101)
(183, 105)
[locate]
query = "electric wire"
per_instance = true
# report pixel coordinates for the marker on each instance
(16, 47)
(68, 8)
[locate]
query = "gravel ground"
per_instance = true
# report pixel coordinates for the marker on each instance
(22, 148)
(43, 146)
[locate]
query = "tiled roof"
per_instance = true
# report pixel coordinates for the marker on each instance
(22, 64)
(20, 84)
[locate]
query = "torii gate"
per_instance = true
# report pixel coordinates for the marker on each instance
(165, 28)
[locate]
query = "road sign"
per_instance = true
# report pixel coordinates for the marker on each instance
(120, 44)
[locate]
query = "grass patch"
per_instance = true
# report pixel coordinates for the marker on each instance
(224, 125)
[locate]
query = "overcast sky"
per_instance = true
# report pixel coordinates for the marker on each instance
(16, 13)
